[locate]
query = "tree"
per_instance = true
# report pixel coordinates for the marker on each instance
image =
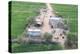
(47, 36)
(72, 41)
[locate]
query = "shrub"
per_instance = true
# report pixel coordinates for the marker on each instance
(72, 41)
(47, 36)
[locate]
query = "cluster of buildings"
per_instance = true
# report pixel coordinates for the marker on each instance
(58, 28)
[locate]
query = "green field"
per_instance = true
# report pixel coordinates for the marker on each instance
(22, 13)
(35, 47)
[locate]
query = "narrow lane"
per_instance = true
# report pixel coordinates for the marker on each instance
(46, 27)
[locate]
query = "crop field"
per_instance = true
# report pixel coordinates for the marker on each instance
(23, 12)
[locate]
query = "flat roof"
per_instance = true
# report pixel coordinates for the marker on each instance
(34, 29)
(55, 18)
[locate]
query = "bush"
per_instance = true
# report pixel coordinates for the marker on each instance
(47, 36)
(72, 41)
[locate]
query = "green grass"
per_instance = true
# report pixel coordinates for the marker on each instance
(21, 13)
(35, 47)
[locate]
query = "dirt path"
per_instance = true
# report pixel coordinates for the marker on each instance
(46, 27)
(49, 7)
(51, 10)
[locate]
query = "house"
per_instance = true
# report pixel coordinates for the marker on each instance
(56, 22)
(34, 34)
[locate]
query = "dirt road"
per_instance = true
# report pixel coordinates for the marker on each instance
(46, 27)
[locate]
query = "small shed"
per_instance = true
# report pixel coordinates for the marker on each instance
(39, 21)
